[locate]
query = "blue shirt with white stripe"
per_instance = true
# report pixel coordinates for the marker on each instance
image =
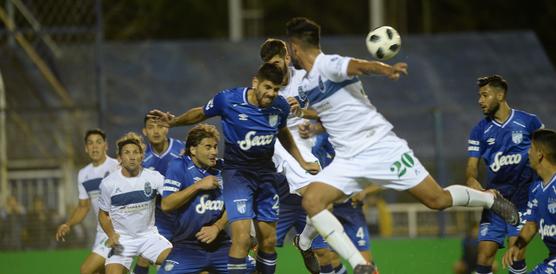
(541, 209)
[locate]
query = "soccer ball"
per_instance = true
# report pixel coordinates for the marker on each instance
(384, 42)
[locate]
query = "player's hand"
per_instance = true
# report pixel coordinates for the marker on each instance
(163, 118)
(510, 256)
(398, 69)
(305, 130)
(207, 183)
(63, 229)
(295, 108)
(207, 234)
(114, 240)
(312, 168)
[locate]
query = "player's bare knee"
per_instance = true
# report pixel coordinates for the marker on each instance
(268, 245)
(484, 258)
(312, 203)
(241, 239)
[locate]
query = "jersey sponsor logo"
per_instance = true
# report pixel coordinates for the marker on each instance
(491, 141)
(253, 141)
(517, 137)
(148, 189)
(206, 204)
(546, 230)
(504, 160)
(243, 117)
(273, 120)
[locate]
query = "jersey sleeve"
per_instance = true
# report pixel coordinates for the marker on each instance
(104, 200)
(334, 67)
(475, 147)
(215, 106)
(176, 178)
(530, 214)
(285, 107)
(535, 124)
(83, 194)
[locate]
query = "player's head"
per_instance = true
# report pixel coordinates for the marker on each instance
(202, 145)
(267, 83)
(130, 148)
(155, 132)
(492, 93)
(275, 51)
(303, 35)
(543, 148)
(95, 144)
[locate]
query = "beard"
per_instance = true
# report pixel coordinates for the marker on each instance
(295, 63)
(491, 111)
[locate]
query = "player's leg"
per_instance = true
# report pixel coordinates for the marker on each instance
(266, 251)
(519, 266)
(94, 263)
(141, 266)
(155, 248)
(241, 238)
(317, 197)
(324, 257)
(115, 268)
(310, 259)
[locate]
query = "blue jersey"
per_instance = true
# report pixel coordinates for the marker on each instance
(541, 209)
(504, 149)
(249, 131)
(160, 162)
(202, 210)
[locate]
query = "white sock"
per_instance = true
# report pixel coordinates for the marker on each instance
(333, 233)
(468, 197)
(307, 236)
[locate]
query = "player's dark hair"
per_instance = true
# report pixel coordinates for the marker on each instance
(130, 138)
(145, 119)
(198, 133)
(545, 139)
(272, 47)
(304, 30)
(495, 81)
(95, 131)
(271, 73)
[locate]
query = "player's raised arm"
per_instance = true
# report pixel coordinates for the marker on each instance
(286, 139)
(358, 67)
(525, 236)
(190, 117)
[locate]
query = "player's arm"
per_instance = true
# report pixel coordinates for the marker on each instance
(106, 225)
(190, 117)
(525, 236)
(472, 173)
(77, 216)
(286, 139)
(357, 67)
(179, 198)
(297, 110)
(207, 234)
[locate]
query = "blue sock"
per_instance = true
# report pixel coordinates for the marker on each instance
(266, 262)
(141, 269)
(483, 269)
(237, 265)
(327, 269)
(340, 269)
(518, 267)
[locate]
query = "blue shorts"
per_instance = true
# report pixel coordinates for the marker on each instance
(547, 266)
(355, 225)
(250, 194)
(189, 260)
(493, 228)
(294, 217)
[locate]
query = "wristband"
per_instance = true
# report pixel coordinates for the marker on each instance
(520, 242)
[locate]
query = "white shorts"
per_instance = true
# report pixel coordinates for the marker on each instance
(100, 247)
(389, 163)
(147, 246)
(285, 163)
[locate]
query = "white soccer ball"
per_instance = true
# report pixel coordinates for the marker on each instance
(384, 42)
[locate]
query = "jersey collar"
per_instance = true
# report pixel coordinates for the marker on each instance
(549, 183)
(170, 143)
(505, 122)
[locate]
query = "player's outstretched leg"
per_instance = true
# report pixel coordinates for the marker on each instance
(309, 258)
(433, 196)
(316, 199)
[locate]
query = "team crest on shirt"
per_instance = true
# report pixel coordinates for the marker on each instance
(517, 137)
(169, 265)
(148, 189)
(273, 120)
(241, 205)
(302, 93)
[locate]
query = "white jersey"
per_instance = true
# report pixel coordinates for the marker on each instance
(89, 178)
(130, 201)
(350, 119)
(292, 90)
